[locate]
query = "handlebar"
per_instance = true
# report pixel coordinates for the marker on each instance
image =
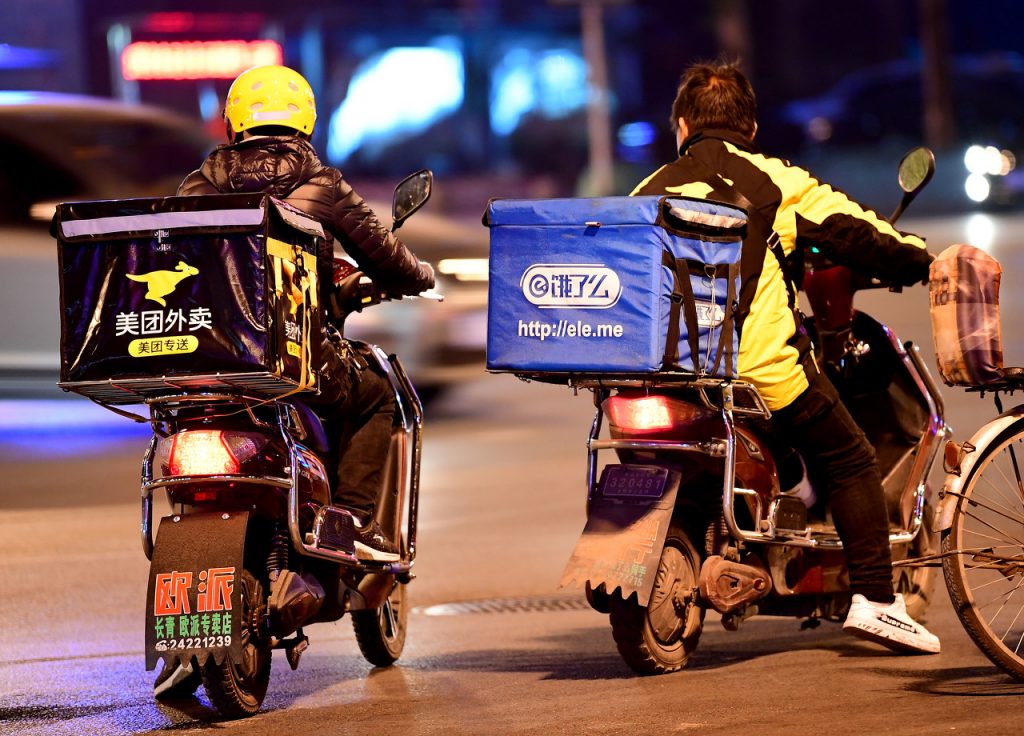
(815, 263)
(355, 291)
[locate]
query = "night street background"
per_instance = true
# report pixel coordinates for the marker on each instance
(499, 99)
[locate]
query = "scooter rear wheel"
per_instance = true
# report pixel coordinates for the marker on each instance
(237, 689)
(380, 632)
(984, 548)
(660, 637)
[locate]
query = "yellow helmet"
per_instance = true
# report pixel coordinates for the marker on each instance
(270, 95)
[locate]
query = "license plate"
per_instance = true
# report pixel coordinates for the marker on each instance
(633, 481)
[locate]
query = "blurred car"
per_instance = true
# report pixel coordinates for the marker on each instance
(66, 147)
(878, 111)
(439, 343)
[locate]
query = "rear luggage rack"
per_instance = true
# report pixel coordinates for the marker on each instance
(744, 398)
(138, 390)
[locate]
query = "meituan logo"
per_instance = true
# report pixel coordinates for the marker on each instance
(163, 283)
(571, 286)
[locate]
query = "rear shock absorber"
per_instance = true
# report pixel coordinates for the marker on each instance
(277, 559)
(716, 538)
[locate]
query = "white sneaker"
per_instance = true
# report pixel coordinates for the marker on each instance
(889, 625)
(372, 544)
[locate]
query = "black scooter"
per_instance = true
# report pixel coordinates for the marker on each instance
(253, 550)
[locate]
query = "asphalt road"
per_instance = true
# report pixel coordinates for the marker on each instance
(502, 503)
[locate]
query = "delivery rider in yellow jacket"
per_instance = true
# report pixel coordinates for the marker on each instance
(714, 115)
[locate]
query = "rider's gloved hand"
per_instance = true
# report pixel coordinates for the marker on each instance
(916, 272)
(344, 297)
(926, 279)
(429, 281)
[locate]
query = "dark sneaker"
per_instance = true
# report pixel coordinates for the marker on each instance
(176, 681)
(889, 624)
(371, 544)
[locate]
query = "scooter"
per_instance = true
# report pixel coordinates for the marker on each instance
(253, 550)
(693, 516)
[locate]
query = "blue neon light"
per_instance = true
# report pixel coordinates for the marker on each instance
(399, 92)
(552, 83)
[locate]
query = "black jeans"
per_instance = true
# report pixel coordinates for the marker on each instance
(840, 461)
(357, 405)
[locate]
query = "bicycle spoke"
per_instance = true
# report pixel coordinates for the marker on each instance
(976, 588)
(1010, 502)
(995, 464)
(998, 508)
(1000, 541)
(1016, 470)
(1014, 622)
(1006, 535)
(1005, 597)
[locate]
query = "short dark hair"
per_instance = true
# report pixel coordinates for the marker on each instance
(715, 95)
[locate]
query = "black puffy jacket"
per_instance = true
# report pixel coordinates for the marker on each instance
(288, 168)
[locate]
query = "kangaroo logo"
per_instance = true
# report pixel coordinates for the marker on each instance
(162, 283)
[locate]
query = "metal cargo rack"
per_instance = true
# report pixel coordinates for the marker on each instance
(743, 398)
(138, 390)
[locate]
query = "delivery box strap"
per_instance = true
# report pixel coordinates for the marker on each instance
(309, 288)
(790, 273)
(684, 303)
(293, 254)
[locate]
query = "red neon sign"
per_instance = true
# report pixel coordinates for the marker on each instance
(196, 59)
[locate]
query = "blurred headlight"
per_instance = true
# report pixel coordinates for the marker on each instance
(42, 211)
(989, 160)
(977, 187)
(464, 269)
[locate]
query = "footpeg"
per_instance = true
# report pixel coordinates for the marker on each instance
(788, 514)
(334, 529)
(732, 621)
(293, 648)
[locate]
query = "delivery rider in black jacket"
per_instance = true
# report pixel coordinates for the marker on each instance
(270, 113)
(714, 118)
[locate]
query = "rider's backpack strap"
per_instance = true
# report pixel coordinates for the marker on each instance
(774, 243)
(682, 302)
(684, 305)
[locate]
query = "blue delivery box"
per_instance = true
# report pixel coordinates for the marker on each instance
(613, 285)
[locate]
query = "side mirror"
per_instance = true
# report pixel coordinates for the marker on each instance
(410, 194)
(915, 171)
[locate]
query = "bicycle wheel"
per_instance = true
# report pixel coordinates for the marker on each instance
(984, 547)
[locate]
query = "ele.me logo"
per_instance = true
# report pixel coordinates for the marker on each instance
(571, 286)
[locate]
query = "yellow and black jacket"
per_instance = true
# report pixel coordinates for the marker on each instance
(804, 212)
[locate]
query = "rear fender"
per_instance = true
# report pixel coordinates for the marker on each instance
(192, 608)
(982, 440)
(622, 542)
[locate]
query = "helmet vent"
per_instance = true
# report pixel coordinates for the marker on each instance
(270, 95)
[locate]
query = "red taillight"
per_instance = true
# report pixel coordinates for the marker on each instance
(650, 413)
(202, 452)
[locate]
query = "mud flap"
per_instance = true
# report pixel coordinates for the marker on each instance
(622, 541)
(193, 604)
